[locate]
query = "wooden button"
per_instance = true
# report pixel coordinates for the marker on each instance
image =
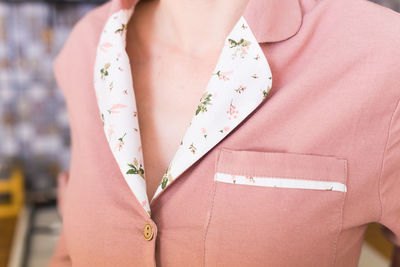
(148, 231)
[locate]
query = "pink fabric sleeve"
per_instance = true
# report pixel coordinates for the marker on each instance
(62, 180)
(60, 257)
(389, 188)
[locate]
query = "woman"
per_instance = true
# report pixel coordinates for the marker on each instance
(230, 133)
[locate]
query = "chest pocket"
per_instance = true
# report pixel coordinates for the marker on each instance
(275, 209)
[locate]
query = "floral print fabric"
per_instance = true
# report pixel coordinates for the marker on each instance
(240, 81)
(279, 182)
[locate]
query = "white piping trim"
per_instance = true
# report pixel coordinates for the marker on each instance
(280, 182)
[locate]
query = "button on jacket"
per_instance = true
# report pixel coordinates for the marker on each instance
(293, 148)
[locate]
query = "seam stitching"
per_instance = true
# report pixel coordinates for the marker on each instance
(341, 215)
(388, 135)
(211, 209)
(208, 222)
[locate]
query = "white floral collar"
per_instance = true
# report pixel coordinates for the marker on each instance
(240, 82)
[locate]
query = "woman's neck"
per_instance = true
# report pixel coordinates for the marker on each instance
(192, 26)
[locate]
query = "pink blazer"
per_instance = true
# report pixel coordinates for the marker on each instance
(297, 158)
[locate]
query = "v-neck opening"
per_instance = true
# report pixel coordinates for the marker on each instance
(178, 162)
(210, 75)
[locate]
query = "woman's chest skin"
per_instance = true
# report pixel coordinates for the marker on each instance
(167, 87)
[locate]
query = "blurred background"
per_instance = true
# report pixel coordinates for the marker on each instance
(33, 108)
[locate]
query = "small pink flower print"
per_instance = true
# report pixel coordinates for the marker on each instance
(120, 69)
(232, 112)
(244, 27)
(140, 149)
(225, 129)
(116, 108)
(223, 75)
(241, 46)
(104, 46)
(205, 100)
(250, 178)
(136, 168)
(243, 51)
(111, 86)
(125, 92)
(110, 131)
(257, 57)
(120, 144)
(192, 148)
(233, 179)
(167, 177)
(240, 89)
(204, 132)
(144, 202)
(255, 76)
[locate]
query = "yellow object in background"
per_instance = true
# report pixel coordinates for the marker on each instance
(12, 194)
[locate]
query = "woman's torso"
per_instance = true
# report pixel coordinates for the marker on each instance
(326, 117)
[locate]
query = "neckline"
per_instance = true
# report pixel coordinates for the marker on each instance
(111, 56)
